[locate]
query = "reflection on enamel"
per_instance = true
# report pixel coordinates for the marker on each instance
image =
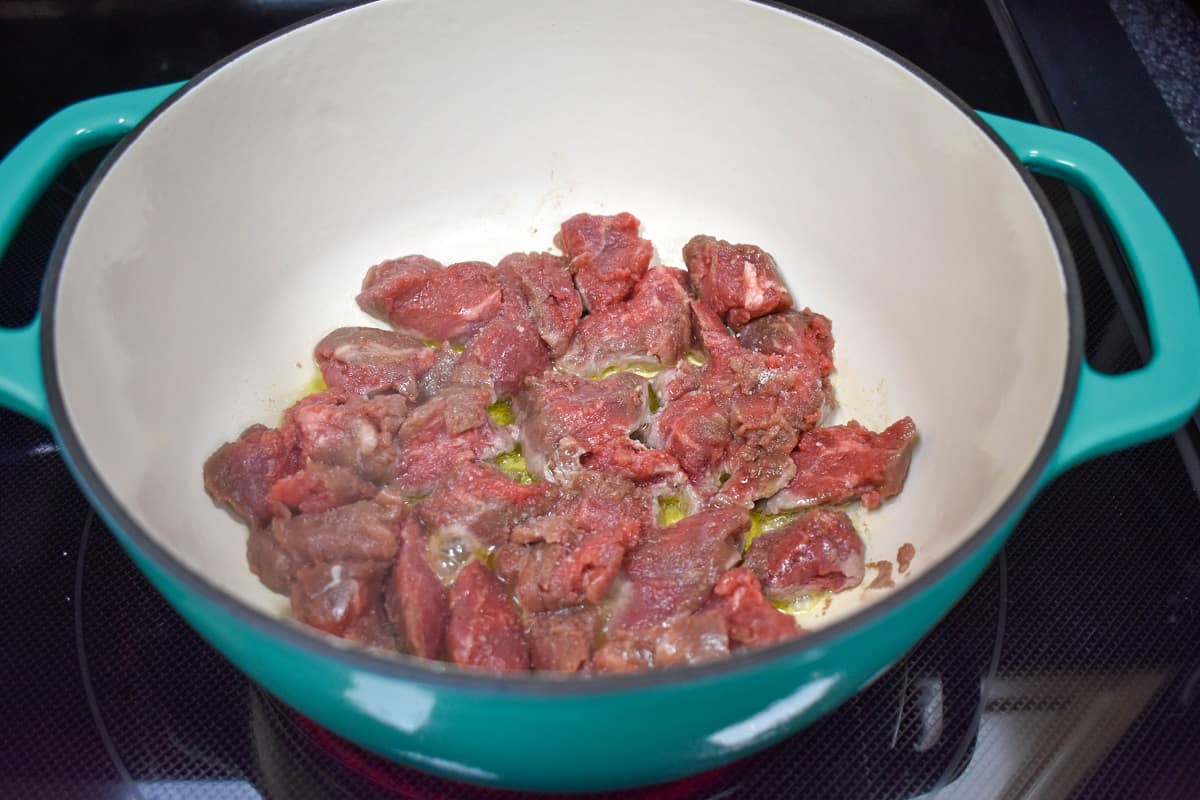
(398, 705)
(771, 718)
(448, 767)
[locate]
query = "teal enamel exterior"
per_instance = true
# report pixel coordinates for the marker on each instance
(1115, 411)
(546, 733)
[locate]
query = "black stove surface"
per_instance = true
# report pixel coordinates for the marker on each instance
(1072, 669)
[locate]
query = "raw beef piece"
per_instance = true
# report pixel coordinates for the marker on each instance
(392, 279)
(562, 640)
(332, 597)
(564, 417)
(595, 500)
(367, 361)
(631, 459)
(762, 476)
(770, 399)
(418, 296)
(545, 282)
(240, 474)
(738, 281)
(447, 431)
(485, 630)
(804, 334)
(270, 561)
(651, 329)
(701, 637)
(606, 256)
(574, 554)
(318, 487)
(691, 639)
(348, 431)
(445, 359)
(373, 628)
(818, 550)
(842, 462)
(485, 502)
(626, 651)
(502, 355)
(674, 382)
(749, 618)
(673, 569)
(362, 531)
(416, 601)
(547, 577)
(694, 430)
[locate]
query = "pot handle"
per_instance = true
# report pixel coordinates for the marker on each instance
(1115, 411)
(24, 175)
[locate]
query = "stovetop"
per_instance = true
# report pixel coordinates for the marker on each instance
(1072, 669)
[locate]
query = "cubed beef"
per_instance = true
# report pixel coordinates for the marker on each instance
(485, 502)
(394, 279)
(673, 569)
(442, 304)
(804, 334)
(373, 628)
(593, 500)
(651, 329)
(693, 639)
(674, 382)
(345, 430)
(738, 281)
(842, 462)
(626, 651)
(240, 474)
(485, 630)
(749, 618)
(363, 531)
(562, 641)
(598, 500)
(553, 301)
(502, 355)
(368, 361)
(631, 459)
(273, 563)
(755, 478)
(770, 399)
(695, 430)
(564, 417)
(606, 256)
(818, 550)
(332, 597)
(445, 359)
(416, 600)
(319, 487)
(444, 433)
(550, 576)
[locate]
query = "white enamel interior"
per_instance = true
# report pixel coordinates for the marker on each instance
(235, 231)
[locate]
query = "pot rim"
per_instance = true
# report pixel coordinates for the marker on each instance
(410, 668)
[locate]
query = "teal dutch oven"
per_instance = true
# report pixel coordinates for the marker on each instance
(231, 225)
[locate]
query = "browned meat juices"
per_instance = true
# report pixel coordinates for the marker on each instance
(486, 481)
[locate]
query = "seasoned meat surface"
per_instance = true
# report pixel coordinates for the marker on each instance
(847, 462)
(561, 462)
(651, 329)
(737, 281)
(370, 361)
(606, 256)
(818, 550)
